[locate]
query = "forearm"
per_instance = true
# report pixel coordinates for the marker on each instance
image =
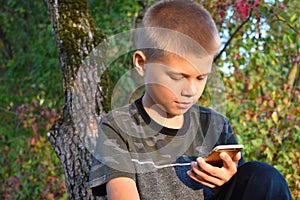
(122, 188)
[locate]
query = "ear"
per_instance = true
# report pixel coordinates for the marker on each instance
(139, 60)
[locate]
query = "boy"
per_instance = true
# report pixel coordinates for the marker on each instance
(152, 148)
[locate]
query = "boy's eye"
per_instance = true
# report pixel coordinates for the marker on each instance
(200, 78)
(175, 77)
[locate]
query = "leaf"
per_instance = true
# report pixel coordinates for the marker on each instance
(275, 117)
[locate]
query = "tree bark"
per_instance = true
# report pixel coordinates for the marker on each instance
(76, 36)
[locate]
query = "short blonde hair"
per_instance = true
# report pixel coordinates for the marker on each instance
(180, 26)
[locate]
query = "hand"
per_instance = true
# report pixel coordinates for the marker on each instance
(212, 176)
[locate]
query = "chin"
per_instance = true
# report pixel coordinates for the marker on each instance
(177, 113)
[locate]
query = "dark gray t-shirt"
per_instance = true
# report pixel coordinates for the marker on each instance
(157, 158)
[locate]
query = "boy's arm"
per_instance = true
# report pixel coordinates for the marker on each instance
(122, 188)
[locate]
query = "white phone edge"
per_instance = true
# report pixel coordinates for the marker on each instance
(230, 146)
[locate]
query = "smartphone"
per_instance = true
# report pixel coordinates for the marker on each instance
(213, 157)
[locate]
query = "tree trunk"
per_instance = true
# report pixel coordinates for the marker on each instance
(76, 36)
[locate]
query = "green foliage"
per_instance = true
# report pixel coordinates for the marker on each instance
(30, 95)
(116, 16)
(27, 55)
(267, 123)
(30, 170)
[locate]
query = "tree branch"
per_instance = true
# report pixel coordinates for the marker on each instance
(232, 36)
(287, 23)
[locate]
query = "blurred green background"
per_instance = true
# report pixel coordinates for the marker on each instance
(258, 61)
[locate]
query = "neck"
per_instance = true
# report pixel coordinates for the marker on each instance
(160, 116)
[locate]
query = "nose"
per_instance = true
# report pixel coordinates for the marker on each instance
(190, 89)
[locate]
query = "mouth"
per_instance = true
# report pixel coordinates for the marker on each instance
(183, 105)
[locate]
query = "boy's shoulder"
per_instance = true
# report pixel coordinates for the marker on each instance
(205, 111)
(122, 113)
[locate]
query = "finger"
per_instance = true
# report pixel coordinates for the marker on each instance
(227, 161)
(207, 168)
(197, 178)
(237, 157)
(210, 174)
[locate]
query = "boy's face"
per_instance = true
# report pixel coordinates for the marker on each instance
(174, 83)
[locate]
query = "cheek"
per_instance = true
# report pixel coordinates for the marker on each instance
(164, 84)
(172, 87)
(199, 93)
(200, 89)
(162, 90)
(177, 88)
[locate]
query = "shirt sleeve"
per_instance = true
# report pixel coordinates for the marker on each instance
(111, 159)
